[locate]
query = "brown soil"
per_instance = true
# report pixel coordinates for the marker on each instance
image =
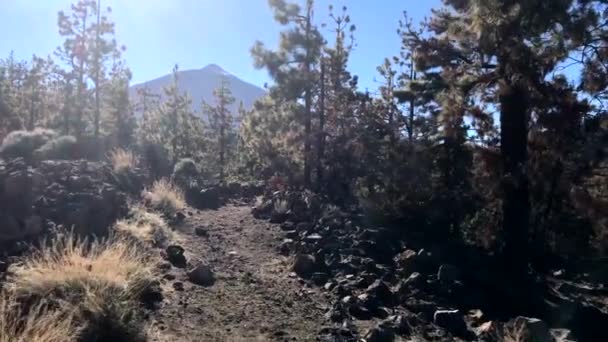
(256, 297)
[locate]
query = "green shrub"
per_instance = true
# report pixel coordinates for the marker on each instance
(185, 172)
(24, 143)
(63, 147)
(185, 167)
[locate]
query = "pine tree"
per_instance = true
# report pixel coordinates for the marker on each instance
(220, 126)
(173, 125)
(498, 53)
(119, 121)
(103, 46)
(291, 66)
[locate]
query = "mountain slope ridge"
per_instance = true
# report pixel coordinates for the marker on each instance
(199, 84)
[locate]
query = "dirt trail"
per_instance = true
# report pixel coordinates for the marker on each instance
(255, 296)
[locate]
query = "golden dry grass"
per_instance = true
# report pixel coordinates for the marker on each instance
(164, 196)
(40, 325)
(69, 265)
(146, 226)
(123, 160)
(100, 282)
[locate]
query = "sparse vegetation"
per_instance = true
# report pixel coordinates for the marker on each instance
(281, 206)
(39, 325)
(100, 281)
(24, 143)
(146, 226)
(63, 147)
(164, 196)
(483, 143)
(123, 160)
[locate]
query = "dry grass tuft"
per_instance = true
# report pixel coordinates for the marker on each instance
(70, 265)
(40, 325)
(281, 206)
(101, 282)
(123, 160)
(146, 226)
(165, 196)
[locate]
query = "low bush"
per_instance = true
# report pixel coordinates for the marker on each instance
(164, 196)
(39, 325)
(100, 282)
(122, 160)
(24, 143)
(185, 167)
(63, 147)
(145, 226)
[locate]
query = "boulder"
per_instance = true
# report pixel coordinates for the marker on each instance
(175, 255)
(209, 198)
(278, 217)
(178, 286)
(379, 333)
(201, 275)
(10, 229)
(201, 231)
(410, 286)
(287, 226)
(448, 274)
(451, 320)
(380, 290)
(531, 329)
(304, 265)
(563, 335)
(285, 247)
(407, 262)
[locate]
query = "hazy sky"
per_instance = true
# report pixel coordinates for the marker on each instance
(194, 33)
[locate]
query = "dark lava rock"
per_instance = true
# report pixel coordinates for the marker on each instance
(333, 334)
(379, 333)
(291, 234)
(209, 198)
(410, 286)
(304, 265)
(151, 296)
(285, 247)
(3, 266)
(380, 291)
(201, 275)
(452, 321)
(531, 329)
(360, 312)
(178, 286)
(169, 276)
(287, 226)
(448, 274)
(175, 255)
(277, 217)
(201, 231)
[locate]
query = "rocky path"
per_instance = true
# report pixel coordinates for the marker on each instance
(255, 296)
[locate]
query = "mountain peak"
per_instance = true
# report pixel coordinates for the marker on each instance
(214, 68)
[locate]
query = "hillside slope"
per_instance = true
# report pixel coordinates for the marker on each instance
(200, 83)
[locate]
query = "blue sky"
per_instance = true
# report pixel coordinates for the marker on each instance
(194, 33)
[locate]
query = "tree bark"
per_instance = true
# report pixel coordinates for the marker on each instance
(321, 138)
(514, 107)
(97, 69)
(307, 101)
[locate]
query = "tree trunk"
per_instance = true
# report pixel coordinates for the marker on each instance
(410, 126)
(222, 140)
(514, 149)
(81, 85)
(97, 70)
(307, 102)
(321, 139)
(32, 118)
